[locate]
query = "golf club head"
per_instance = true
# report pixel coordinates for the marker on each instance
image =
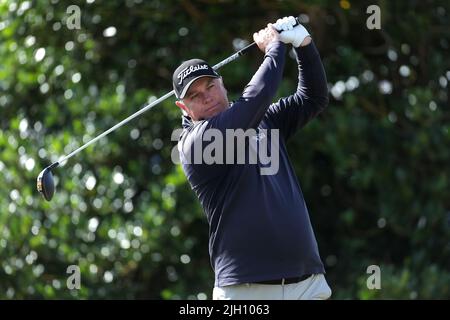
(45, 183)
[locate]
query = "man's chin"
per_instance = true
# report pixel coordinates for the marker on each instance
(214, 111)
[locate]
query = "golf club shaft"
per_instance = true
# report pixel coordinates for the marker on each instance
(121, 123)
(148, 107)
(234, 56)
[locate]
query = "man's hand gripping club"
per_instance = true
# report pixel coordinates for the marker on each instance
(291, 32)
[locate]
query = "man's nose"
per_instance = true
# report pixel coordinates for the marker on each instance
(206, 98)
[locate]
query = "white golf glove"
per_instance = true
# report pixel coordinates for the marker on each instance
(289, 33)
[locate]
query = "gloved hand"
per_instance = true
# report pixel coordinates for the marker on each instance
(286, 23)
(289, 33)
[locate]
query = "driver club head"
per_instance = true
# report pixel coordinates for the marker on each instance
(45, 183)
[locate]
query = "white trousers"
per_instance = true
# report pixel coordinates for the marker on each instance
(313, 288)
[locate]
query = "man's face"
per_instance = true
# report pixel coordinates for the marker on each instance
(205, 98)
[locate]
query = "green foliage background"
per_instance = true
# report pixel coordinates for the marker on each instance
(374, 167)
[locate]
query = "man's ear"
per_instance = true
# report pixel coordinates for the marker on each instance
(181, 105)
(183, 108)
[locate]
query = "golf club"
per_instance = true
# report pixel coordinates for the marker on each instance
(45, 183)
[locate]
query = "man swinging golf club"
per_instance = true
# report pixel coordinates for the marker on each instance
(261, 242)
(262, 245)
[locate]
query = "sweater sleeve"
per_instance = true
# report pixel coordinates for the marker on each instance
(311, 97)
(248, 111)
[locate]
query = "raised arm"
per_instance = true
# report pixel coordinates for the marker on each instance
(248, 111)
(311, 97)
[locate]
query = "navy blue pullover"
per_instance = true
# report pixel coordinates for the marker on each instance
(259, 226)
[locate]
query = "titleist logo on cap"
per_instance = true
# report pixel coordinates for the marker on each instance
(187, 71)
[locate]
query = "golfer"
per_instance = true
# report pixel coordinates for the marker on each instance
(261, 242)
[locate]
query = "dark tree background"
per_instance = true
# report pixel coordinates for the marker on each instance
(374, 167)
